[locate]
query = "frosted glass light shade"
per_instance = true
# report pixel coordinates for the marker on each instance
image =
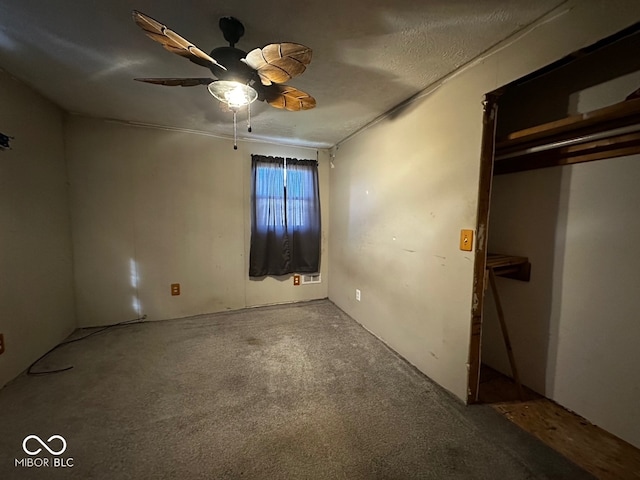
(234, 94)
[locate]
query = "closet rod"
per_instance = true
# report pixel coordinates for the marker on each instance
(571, 141)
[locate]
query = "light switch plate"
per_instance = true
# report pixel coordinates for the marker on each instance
(466, 240)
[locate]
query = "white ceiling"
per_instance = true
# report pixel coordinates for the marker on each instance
(369, 55)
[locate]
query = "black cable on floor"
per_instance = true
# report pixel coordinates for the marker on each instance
(67, 342)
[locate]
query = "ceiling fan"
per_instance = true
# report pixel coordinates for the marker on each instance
(240, 77)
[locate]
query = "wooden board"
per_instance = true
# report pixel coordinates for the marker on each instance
(615, 127)
(624, 113)
(479, 269)
(600, 453)
(510, 266)
(610, 147)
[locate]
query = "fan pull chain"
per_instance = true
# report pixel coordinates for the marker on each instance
(235, 130)
(249, 118)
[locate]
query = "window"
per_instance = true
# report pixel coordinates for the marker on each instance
(285, 220)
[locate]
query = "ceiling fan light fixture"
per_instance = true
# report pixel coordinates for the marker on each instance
(268, 67)
(234, 94)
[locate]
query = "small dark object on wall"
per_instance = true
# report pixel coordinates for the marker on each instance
(635, 94)
(4, 142)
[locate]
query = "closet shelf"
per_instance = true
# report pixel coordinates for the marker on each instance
(608, 132)
(509, 266)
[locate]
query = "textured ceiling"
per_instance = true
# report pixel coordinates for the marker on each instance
(369, 55)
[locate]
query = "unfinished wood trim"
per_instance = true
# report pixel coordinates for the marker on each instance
(568, 59)
(482, 222)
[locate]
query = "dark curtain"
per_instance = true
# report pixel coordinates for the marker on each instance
(285, 216)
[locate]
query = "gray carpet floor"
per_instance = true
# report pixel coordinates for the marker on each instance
(286, 392)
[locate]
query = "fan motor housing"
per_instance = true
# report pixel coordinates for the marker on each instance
(237, 70)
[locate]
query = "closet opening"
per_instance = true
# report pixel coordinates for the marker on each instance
(555, 277)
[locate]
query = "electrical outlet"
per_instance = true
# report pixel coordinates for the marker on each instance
(296, 280)
(357, 294)
(1, 343)
(175, 289)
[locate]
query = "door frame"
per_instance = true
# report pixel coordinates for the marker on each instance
(489, 121)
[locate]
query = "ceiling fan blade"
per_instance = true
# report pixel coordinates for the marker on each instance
(173, 42)
(288, 97)
(177, 82)
(279, 62)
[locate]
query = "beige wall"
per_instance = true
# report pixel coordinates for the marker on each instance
(402, 189)
(574, 326)
(36, 285)
(152, 207)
